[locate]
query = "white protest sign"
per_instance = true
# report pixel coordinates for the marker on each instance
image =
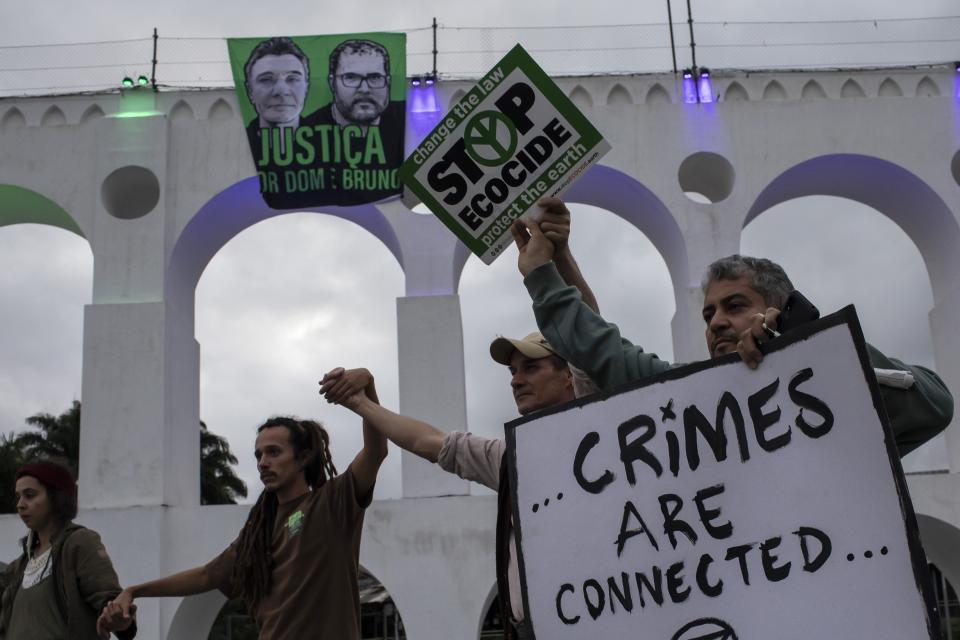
(718, 502)
(513, 138)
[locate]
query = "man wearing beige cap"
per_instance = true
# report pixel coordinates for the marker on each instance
(539, 379)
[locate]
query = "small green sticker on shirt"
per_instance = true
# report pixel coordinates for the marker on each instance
(295, 523)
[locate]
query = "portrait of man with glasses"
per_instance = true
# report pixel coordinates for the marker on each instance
(360, 82)
(344, 152)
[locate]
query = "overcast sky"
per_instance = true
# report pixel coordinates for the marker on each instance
(269, 327)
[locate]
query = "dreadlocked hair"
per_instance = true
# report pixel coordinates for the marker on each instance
(253, 570)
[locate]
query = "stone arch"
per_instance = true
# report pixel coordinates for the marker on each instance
(13, 119)
(736, 93)
(812, 91)
(625, 197)
(619, 95)
(195, 616)
(890, 189)
(220, 110)
(491, 596)
(851, 89)
(20, 206)
(607, 188)
(657, 95)
(231, 211)
(940, 543)
(181, 112)
(774, 91)
(890, 89)
(580, 97)
(93, 113)
(927, 88)
(53, 117)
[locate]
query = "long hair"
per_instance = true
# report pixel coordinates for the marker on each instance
(253, 570)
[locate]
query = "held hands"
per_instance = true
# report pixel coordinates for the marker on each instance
(762, 328)
(555, 222)
(346, 387)
(118, 615)
(540, 242)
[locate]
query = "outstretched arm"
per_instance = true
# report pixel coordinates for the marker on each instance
(407, 433)
(344, 383)
(121, 609)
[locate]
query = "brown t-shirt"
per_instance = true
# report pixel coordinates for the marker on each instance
(316, 551)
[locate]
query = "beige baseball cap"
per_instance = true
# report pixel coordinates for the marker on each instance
(533, 346)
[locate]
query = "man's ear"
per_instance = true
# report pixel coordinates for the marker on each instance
(304, 458)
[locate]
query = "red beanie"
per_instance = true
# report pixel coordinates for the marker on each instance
(51, 475)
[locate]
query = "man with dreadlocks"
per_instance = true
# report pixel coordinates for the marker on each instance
(295, 561)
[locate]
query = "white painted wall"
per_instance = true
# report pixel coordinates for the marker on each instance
(781, 136)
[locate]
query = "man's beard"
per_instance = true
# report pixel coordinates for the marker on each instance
(365, 116)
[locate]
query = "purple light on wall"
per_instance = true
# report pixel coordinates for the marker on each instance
(956, 80)
(423, 111)
(705, 87)
(689, 87)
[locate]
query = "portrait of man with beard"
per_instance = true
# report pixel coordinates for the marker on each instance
(345, 152)
(359, 79)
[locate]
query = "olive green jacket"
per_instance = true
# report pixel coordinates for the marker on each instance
(589, 342)
(84, 577)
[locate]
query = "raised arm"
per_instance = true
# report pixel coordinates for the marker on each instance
(407, 433)
(579, 334)
(555, 224)
(344, 383)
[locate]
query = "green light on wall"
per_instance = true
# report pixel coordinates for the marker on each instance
(127, 82)
(136, 114)
(143, 81)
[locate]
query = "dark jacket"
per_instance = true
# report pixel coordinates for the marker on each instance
(84, 577)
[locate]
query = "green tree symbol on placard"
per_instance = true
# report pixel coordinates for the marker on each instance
(485, 135)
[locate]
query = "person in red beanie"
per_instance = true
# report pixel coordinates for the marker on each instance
(63, 580)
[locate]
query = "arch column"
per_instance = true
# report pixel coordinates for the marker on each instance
(713, 232)
(138, 444)
(944, 318)
(429, 343)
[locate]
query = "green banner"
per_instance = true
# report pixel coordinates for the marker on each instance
(325, 115)
(513, 138)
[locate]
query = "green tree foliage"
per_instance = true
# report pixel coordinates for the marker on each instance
(219, 484)
(57, 438)
(11, 457)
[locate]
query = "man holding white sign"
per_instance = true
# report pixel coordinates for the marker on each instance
(742, 300)
(713, 501)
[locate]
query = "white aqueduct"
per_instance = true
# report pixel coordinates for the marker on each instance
(159, 183)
